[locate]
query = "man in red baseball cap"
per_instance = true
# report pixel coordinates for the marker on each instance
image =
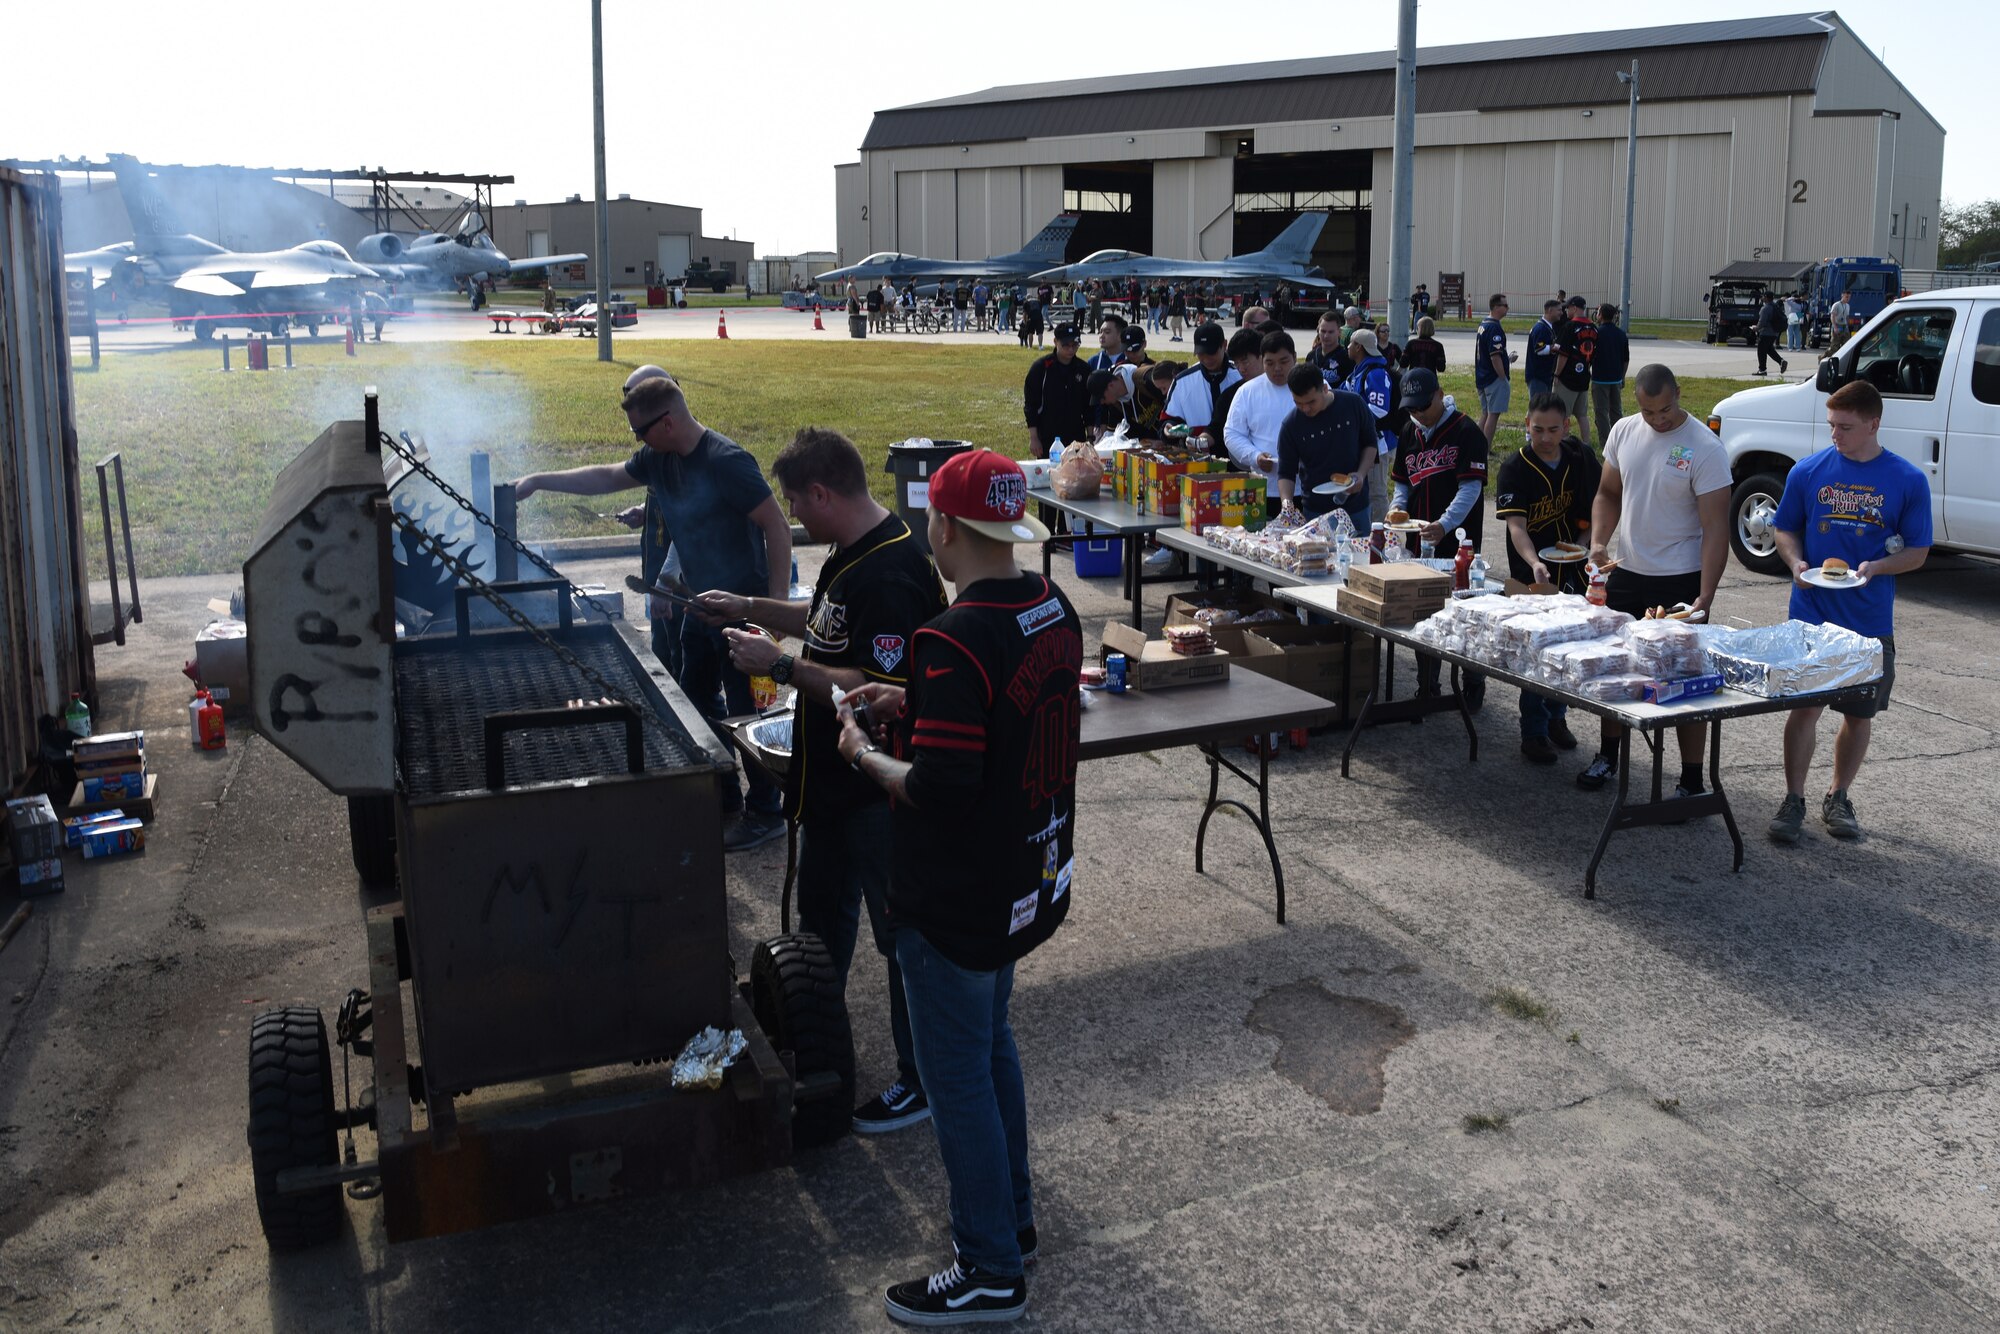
(982, 773)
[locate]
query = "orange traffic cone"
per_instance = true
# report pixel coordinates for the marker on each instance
(816, 324)
(722, 325)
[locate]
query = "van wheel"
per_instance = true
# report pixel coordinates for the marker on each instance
(1753, 510)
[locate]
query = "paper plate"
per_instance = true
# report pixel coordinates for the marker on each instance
(1555, 557)
(1411, 526)
(1333, 488)
(1819, 580)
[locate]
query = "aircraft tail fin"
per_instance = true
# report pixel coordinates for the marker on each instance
(1051, 243)
(1294, 245)
(155, 223)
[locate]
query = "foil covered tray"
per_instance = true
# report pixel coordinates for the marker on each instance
(1793, 658)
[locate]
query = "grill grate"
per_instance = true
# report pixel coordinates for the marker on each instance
(443, 697)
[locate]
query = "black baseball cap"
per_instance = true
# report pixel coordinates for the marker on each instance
(1066, 333)
(1134, 337)
(1578, 303)
(1209, 338)
(1420, 386)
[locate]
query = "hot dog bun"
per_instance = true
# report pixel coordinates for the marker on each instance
(1396, 516)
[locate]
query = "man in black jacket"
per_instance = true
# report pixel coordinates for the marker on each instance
(1770, 328)
(983, 781)
(1052, 397)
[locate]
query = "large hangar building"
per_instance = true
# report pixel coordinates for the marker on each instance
(1771, 139)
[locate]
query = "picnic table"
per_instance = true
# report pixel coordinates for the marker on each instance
(1648, 721)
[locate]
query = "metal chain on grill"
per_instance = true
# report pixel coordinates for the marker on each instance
(417, 465)
(521, 622)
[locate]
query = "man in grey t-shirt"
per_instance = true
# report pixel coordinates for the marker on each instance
(1665, 495)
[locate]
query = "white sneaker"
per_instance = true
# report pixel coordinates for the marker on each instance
(1159, 558)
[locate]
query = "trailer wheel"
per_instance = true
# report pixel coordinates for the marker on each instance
(795, 993)
(292, 1124)
(371, 834)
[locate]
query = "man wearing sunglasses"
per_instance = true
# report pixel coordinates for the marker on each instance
(732, 536)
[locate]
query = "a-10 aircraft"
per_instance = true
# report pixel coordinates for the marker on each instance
(446, 261)
(1288, 259)
(1046, 248)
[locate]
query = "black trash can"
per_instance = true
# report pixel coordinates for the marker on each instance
(912, 462)
(857, 326)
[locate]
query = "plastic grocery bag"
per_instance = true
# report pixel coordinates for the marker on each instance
(1079, 475)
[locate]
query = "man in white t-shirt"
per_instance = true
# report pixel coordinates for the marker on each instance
(1260, 408)
(1665, 495)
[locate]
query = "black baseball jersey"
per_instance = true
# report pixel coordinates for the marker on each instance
(866, 607)
(1436, 467)
(984, 853)
(1554, 501)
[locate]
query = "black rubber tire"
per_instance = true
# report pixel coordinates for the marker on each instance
(1757, 486)
(204, 332)
(292, 1125)
(795, 993)
(371, 835)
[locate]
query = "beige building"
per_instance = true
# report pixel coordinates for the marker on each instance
(1775, 138)
(647, 237)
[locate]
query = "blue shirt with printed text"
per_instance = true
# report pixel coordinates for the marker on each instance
(1851, 510)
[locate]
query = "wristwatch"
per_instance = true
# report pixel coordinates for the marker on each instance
(781, 670)
(869, 749)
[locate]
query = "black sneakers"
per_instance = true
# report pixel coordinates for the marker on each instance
(960, 1295)
(1561, 736)
(895, 1107)
(1602, 770)
(1538, 749)
(749, 829)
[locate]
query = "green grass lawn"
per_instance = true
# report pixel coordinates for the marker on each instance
(201, 448)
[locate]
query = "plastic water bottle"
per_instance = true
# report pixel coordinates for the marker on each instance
(1479, 570)
(1055, 450)
(1343, 561)
(76, 717)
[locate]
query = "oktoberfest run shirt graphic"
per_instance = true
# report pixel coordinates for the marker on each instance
(1851, 510)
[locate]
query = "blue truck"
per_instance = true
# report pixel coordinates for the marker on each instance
(1870, 285)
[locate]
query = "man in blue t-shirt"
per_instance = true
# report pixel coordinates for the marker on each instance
(1539, 370)
(1492, 366)
(717, 509)
(1861, 504)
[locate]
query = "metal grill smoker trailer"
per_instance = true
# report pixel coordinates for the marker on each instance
(561, 929)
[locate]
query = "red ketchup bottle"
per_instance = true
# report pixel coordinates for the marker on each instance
(1378, 538)
(1461, 569)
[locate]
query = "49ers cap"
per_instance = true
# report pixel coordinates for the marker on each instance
(988, 493)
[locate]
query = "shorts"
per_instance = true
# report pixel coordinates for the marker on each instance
(1493, 397)
(1572, 397)
(1636, 594)
(1874, 704)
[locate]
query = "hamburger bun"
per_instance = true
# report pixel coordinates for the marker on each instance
(1342, 479)
(1834, 568)
(1396, 516)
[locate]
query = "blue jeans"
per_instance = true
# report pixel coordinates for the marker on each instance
(1536, 388)
(972, 1075)
(705, 673)
(843, 863)
(1537, 712)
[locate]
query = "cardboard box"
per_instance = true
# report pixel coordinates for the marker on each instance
(115, 786)
(1181, 607)
(1313, 657)
(1689, 687)
(109, 746)
(33, 832)
(1232, 499)
(1377, 612)
(74, 827)
(1400, 584)
(39, 877)
(114, 839)
(222, 661)
(1151, 665)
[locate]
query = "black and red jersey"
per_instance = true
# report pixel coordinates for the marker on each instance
(984, 844)
(1436, 465)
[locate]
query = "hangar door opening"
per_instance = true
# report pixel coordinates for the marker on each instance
(1274, 188)
(1115, 200)
(673, 254)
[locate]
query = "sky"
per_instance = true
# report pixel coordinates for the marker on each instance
(745, 120)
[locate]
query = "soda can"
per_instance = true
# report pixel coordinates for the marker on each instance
(1114, 673)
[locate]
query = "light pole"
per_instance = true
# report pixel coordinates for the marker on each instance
(603, 209)
(1631, 192)
(1402, 226)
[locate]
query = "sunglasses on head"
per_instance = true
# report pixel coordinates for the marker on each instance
(639, 432)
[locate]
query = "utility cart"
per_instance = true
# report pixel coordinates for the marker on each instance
(547, 803)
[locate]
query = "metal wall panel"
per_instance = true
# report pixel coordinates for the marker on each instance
(45, 652)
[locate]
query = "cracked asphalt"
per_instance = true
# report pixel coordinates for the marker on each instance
(1761, 1099)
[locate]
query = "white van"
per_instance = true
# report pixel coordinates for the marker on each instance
(1936, 358)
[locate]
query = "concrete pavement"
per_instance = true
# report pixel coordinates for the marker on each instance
(1763, 1099)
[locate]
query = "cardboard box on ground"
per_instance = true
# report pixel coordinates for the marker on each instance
(1312, 658)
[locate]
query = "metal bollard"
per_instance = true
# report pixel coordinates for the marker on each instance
(224, 340)
(288, 345)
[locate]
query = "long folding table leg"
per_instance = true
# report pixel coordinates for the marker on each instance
(1261, 817)
(1135, 551)
(1465, 712)
(1611, 817)
(1715, 786)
